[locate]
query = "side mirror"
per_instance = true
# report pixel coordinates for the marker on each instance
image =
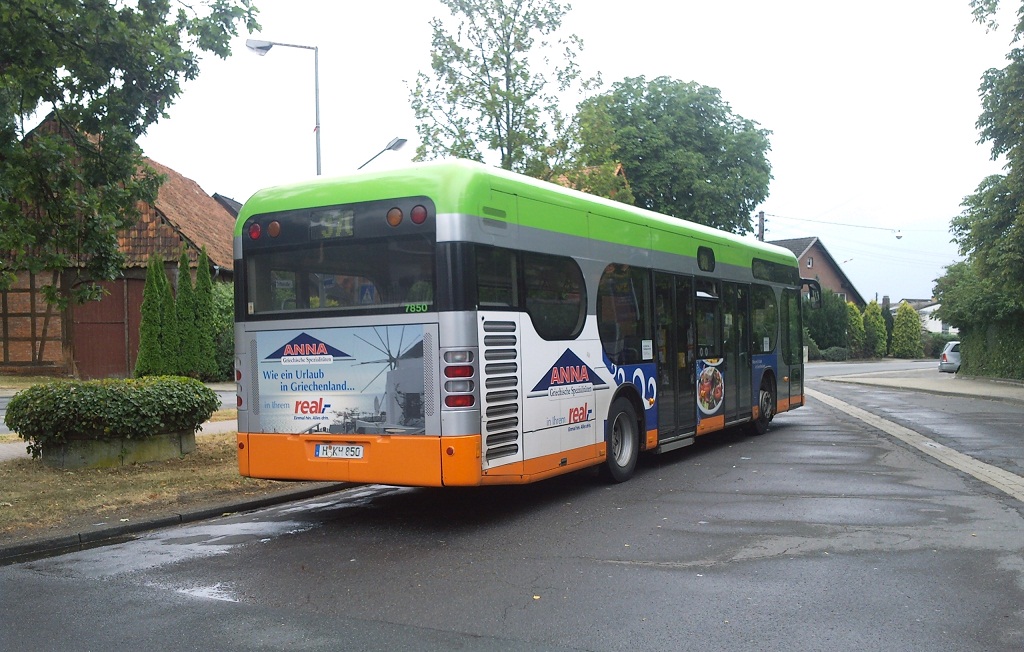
(813, 292)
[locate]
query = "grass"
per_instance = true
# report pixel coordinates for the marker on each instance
(37, 501)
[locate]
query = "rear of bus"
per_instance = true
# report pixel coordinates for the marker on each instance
(338, 357)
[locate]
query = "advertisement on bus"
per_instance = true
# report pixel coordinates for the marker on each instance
(345, 380)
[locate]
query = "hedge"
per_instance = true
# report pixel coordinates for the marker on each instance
(52, 413)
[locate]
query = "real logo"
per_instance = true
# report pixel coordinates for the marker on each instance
(579, 414)
(317, 406)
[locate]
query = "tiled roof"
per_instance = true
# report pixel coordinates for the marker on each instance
(200, 218)
(798, 246)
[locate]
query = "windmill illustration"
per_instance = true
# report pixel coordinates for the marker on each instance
(402, 361)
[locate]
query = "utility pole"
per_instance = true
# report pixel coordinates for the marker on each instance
(760, 226)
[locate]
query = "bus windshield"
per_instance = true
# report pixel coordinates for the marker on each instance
(352, 276)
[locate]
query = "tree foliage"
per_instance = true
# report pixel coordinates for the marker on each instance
(875, 335)
(102, 72)
(986, 290)
(187, 319)
(827, 324)
(854, 331)
(205, 317)
(149, 361)
(170, 334)
(906, 333)
(684, 150)
(491, 85)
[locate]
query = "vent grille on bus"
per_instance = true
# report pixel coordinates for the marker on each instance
(501, 396)
(254, 379)
(429, 391)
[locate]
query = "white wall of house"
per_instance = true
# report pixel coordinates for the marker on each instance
(933, 325)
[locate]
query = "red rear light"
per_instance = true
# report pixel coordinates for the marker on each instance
(460, 401)
(255, 230)
(944, 358)
(459, 371)
(238, 399)
(418, 215)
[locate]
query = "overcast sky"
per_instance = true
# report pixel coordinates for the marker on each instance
(871, 105)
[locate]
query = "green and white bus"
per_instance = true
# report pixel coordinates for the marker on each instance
(455, 324)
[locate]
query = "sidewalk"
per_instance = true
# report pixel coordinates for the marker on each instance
(935, 382)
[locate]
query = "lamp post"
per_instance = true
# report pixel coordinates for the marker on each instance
(394, 146)
(262, 47)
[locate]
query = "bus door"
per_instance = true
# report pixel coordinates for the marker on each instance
(791, 393)
(675, 341)
(736, 350)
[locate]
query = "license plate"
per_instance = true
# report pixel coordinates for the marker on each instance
(340, 451)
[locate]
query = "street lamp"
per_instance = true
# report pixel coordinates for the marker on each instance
(394, 146)
(262, 47)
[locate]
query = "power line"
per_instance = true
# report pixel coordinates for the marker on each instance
(855, 226)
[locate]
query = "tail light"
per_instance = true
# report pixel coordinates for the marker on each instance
(460, 384)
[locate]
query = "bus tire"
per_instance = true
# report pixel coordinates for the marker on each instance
(765, 406)
(622, 439)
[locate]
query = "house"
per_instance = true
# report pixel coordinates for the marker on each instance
(101, 339)
(817, 263)
(926, 311)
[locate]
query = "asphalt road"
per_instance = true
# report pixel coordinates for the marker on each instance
(824, 534)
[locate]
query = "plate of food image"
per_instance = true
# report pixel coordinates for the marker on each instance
(710, 390)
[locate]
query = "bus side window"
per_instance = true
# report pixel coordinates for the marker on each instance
(765, 317)
(497, 286)
(555, 295)
(707, 309)
(623, 318)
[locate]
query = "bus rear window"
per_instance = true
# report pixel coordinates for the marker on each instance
(348, 276)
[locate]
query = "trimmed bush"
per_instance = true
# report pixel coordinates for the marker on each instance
(53, 413)
(835, 354)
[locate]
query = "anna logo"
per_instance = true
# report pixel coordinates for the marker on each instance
(568, 377)
(306, 349)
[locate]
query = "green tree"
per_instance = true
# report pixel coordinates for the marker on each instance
(593, 164)
(906, 333)
(983, 296)
(483, 90)
(188, 320)
(854, 331)
(224, 329)
(205, 318)
(149, 362)
(827, 325)
(875, 335)
(685, 152)
(170, 339)
(103, 72)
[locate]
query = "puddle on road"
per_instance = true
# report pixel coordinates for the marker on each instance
(203, 539)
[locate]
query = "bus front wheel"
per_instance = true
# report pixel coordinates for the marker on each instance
(765, 407)
(622, 437)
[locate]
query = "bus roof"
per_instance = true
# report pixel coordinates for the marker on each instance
(461, 186)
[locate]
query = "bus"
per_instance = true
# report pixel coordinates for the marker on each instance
(453, 324)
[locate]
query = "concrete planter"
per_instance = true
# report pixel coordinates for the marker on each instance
(109, 453)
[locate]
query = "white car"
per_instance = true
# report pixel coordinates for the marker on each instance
(949, 360)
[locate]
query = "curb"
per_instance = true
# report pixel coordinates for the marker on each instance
(11, 554)
(867, 381)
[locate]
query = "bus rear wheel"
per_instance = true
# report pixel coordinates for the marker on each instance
(765, 407)
(622, 437)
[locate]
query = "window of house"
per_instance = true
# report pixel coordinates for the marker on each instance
(810, 262)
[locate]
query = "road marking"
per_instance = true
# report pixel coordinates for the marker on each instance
(1009, 483)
